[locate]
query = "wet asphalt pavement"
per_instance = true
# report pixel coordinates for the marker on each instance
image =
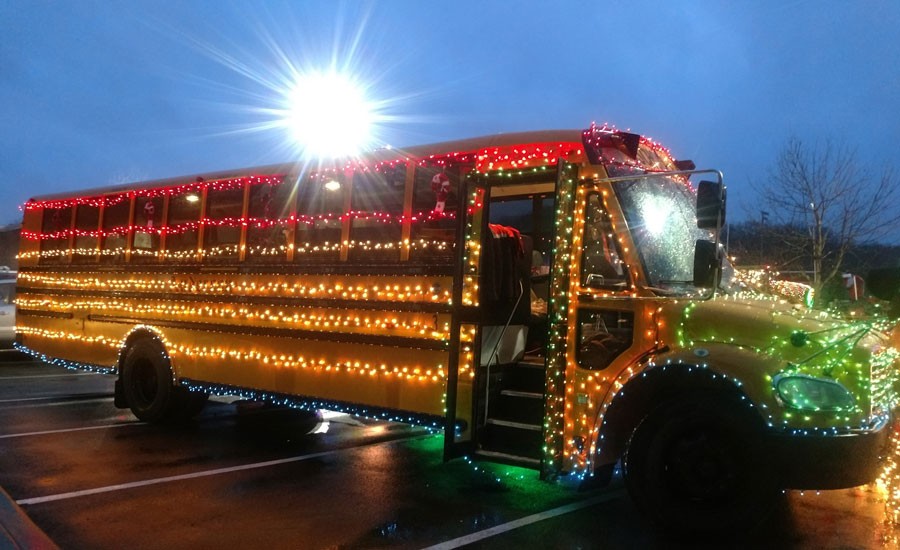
(91, 476)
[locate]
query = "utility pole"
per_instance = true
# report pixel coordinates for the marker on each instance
(763, 218)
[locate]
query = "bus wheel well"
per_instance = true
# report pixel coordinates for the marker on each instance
(134, 336)
(652, 389)
(697, 464)
(147, 384)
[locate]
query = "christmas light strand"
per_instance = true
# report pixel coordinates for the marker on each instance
(342, 320)
(406, 289)
(385, 218)
(362, 369)
(193, 187)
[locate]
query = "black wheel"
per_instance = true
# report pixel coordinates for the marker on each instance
(697, 466)
(148, 386)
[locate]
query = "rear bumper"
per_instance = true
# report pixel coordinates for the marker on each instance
(830, 461)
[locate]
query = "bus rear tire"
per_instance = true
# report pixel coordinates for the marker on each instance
(149, 389)
(697, 467)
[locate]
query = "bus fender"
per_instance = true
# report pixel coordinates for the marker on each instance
(655, 384)
(138, 333)
(134, 335)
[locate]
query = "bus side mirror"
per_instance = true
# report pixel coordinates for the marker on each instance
(706, 264)
(710, 205)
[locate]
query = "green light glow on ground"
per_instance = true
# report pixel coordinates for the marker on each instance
(520, 489)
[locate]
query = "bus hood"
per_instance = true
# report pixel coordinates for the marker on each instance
(801, 342)
(756, 323)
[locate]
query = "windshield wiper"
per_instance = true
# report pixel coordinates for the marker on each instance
(662, 291)
(673, 291)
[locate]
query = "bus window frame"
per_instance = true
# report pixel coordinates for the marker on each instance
(165, 252)
(376, 201)
(207, 228)
(65, 257)
(78, 257)
(619, 249)
(129, 227)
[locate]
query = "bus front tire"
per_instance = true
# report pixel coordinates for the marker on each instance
(148, 386)
(697, 466)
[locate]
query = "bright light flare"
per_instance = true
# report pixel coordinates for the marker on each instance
(656, 212)
(329, 115)
(315, 102)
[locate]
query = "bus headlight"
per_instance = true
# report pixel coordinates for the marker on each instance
(812, 394)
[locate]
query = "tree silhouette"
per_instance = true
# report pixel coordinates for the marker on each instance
(832, 201)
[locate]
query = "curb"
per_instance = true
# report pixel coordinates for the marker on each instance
(16, 528)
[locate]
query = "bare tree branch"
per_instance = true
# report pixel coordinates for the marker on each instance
(828, 192)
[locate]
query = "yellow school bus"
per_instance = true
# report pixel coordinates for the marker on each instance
(554, 299)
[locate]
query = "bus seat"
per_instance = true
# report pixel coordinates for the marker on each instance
(509, 344)
(505, 295)
(506, 276)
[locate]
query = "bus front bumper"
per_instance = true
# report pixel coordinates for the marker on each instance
(832, 461)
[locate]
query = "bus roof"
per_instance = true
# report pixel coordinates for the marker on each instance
(417, 152)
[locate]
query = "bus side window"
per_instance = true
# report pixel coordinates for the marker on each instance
(434, 208)
(148, 213)
(224, 212)
(602, 336)
(116, 212)
(87, 222)
(376, 214)
(320, 206)
(601, 265)
(269, 221)
(55, 226)
(182, 231)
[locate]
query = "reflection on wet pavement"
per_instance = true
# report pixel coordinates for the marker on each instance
(888, 485)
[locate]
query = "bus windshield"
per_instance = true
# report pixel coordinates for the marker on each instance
(663, 223)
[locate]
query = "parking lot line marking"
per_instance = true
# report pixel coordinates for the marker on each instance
(65, 430)
(195, 475)
(527, 520)
(60, 375)
(30, 402)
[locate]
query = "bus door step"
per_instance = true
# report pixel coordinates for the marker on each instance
(508, 437)
(511, 424)
(510, 459)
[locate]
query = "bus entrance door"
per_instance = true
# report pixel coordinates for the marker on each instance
(511, 378)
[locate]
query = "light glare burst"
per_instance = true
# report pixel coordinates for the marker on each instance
(656, 212)
(311, 97)
(328, 115)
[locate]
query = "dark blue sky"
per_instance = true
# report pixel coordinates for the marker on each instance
(95, 93)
